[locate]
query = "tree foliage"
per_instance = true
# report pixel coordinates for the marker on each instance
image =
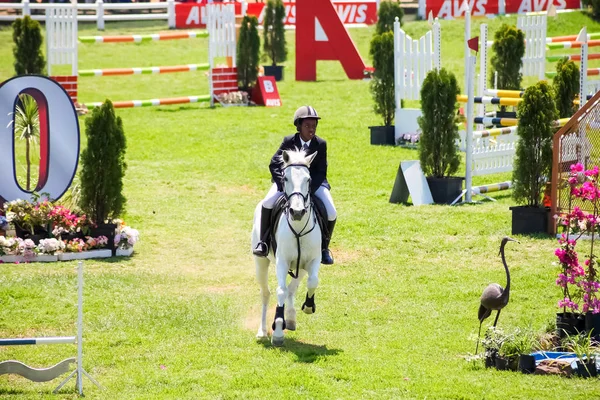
(566, 87)
(382, 84)
(533, 156)
(103, 165)
(27, 127)
(274, 44)
(595, 8)
(248, 52)
(437, 149)
(27, 36)
(386, 15)
(507, 60)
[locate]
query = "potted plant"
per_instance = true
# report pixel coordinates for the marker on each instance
(386, 15)
(581, 282)
(248, 49)
(492, 342)
(27, 36)
(533, 158)
(584, 348)
(566, 87)
(382, 87)
(507, 59)
(102, 170)
(274, 45)
(26, 124)
(438, 153)
(525, 342)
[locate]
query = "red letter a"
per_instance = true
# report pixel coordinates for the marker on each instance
(320, 35)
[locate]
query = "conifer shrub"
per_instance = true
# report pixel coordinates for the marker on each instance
(566, 87)
(439, 131)
(386, 15)
(248, 52)
(533, 155)
(103, 165)
(507, 59)
(27, 51)
(382, 84)
(274, 45)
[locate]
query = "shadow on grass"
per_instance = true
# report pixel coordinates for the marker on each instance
(305, 352)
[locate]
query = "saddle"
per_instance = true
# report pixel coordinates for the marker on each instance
(321, 213)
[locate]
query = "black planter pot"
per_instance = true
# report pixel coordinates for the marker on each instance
(526, 364)
(385, 135)
(445, 190)
(490, 361)
(592, 324)
(275, 71)
(569, 324)
(502, 364)
(39, 233)
(587, 370)
(529, 220)
(67, 237)
(107, 230)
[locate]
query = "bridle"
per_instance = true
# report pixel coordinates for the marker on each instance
(308, 205)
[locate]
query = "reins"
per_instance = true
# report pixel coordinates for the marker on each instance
(307, 204)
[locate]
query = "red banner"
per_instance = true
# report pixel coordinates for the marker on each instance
(453, 8)
(525, 6)
(265, 92)
(350, 12)
(193, 15)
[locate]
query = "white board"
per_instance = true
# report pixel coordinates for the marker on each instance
(410, 180)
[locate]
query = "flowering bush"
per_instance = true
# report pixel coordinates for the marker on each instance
(65, 221)
(3, 223)
(95, 243)
(50, 246)
(126, 237)
(27, 248)
(8, 246)
(233, 98)
(580, 283)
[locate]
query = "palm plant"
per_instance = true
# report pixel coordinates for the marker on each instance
(27, 127)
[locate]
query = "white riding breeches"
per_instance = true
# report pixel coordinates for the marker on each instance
(322, 193)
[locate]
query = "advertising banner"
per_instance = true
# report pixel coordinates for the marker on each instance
(453, 8)
(193, 15)
(525, 6)
(350, 12)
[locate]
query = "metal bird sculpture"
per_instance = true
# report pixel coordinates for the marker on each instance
(494, 297)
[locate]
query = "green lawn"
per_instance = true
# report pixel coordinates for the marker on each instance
(395, 315)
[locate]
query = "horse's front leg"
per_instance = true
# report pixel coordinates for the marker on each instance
(279, 321)
(290, 309)
(262, 277)
(312, 282)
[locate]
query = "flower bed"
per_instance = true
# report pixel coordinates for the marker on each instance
(64, 235)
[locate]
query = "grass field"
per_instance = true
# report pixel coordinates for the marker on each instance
(396, 314)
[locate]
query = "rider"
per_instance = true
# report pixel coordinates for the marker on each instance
(305, 120)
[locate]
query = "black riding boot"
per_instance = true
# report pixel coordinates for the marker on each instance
(326, 257)
(262, 248)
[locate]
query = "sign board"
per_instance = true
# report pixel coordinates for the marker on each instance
(59, 137)
(410, 180)
(265, 92)
(453, 8)
(350, 12)
(194, 15)
(320, 35)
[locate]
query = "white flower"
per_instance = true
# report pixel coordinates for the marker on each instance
(50, 246)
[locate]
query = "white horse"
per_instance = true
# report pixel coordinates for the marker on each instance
(298, 252)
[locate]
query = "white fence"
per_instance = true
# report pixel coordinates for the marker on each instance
(97, 11)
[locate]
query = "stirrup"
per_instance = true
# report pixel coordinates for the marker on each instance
(326, 257)
(261, 250)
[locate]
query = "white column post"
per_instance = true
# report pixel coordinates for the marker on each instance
(422, 9)
(171, 13)
(26, 9)
(467, 10)
(582, 37)
(100, 15)
(80, 327)
(469, 139)
(398, 73)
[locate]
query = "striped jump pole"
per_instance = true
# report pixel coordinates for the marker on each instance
(503, 101)
(481, 190)
(590, 72)
(46, 374)
(573, 57)
(572, 45)
(494, 132)
(503, 93)
(571, 38)
(144, 70)
(143, 38)
(154, 102)
(496, 121)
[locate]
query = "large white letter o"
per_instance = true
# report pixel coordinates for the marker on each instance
(59, 137)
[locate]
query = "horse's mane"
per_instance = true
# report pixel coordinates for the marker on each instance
(296, 156)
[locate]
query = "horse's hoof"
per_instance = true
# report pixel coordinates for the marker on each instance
(290, 325)
(261, 334)
(309, 309)
(277, 341)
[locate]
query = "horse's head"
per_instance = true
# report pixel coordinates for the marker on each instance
(297, 181)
